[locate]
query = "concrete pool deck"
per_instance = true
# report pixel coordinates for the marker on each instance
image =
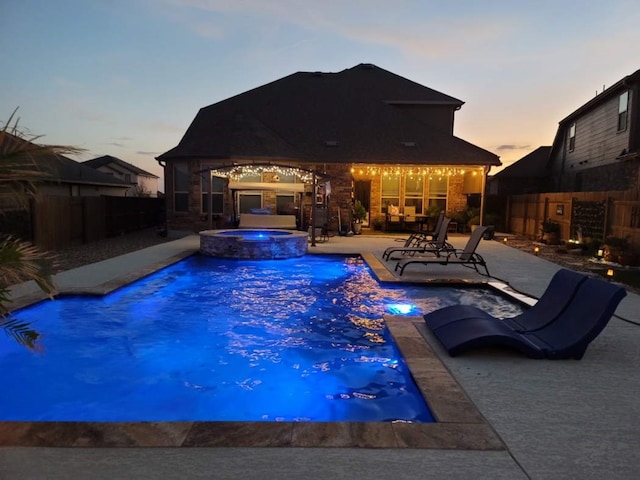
(556, 419)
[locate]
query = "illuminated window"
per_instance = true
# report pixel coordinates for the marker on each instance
(438, 191)
(390, 191)
(414, 191)
(623, 107)
(572, 136)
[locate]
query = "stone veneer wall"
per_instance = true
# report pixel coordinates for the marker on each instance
(340, 199)
(293, 244)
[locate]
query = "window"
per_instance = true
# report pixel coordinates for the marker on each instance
(438, 191)
(217, 195)
(390, 191)
(180, 187)
(623, 107)
(285, 201)
(250, 199)
(572, 136)
(414, 191)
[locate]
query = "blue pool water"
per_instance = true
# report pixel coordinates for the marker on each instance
(215, 339)
(255, 234)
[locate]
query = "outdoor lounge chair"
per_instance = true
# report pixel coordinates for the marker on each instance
(566, 337)
(466, 257)
(559, 293)
(426, 246)
(416, 238)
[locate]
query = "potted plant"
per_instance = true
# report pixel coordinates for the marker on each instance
(377, 223)
(550, 231)
(359, 214)
(616, 249)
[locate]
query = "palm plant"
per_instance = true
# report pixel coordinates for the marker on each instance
(20, 261)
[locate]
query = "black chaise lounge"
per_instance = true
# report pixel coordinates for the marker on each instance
(466, 257)
(416, 238)
(559, 293)
(435, 246)
(566, 337)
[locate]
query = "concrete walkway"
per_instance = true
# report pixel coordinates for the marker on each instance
(558, 419)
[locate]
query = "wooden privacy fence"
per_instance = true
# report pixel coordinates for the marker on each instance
(59, 222)
(595, 215)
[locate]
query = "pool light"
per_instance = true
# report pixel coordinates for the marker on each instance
(400, 308)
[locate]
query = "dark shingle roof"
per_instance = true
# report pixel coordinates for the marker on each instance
(57, 168)
(117, 164)
(371, 114)
(532, 165)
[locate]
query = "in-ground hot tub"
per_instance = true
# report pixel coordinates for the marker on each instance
(253, 244)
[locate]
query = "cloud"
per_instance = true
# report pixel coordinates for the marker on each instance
(152, 154)
(513, 147)
(377, 23)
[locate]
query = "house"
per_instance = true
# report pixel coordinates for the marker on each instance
(596, 146)
(527, 175)
(363, 133)
(60, 176)
(142, 183)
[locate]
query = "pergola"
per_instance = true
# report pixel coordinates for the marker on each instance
(235, 171)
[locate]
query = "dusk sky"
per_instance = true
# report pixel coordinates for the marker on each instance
(127, 77)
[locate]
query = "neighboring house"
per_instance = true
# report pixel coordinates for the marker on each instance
(63, 176)
(142, 183)
(527, 175)
(363, 133)
(596, 147)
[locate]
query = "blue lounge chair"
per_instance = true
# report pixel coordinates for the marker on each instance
(568, 336)
(466, 257)
(554, 300)
(435, 246)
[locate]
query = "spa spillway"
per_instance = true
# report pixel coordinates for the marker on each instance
(253, 244)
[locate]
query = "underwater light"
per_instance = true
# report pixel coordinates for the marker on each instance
(400, 308)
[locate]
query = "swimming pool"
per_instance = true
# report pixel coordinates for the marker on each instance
(188, 343)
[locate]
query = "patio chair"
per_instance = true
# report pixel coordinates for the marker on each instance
(568, 336)
(417, 237)
(466, 257)
(559, 293)
(424, 246)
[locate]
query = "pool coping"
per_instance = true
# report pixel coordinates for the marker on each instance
(459, 424)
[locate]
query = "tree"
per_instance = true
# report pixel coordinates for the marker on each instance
(20, 172)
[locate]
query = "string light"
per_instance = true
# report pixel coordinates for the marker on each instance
(410, 171)
(235, 172)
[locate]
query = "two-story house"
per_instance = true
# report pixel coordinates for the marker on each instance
(141, 182)
(363, 134)
(596, 146)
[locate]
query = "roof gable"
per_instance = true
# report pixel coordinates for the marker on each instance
(532, 165)
(360, 111)
(109, 161)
